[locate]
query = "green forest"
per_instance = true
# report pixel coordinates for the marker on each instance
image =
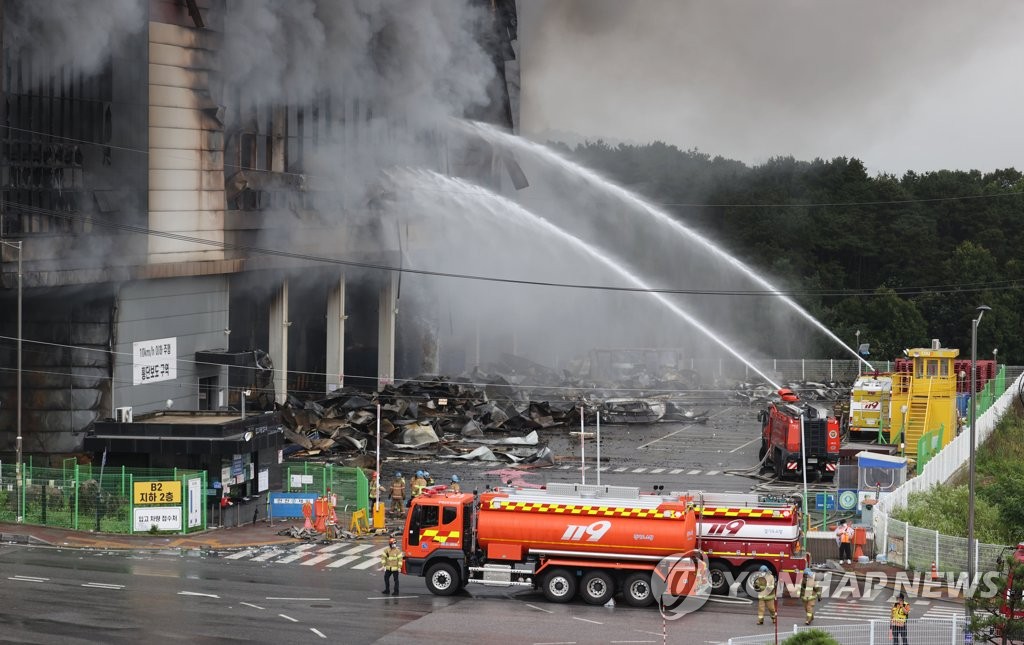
(902, 259)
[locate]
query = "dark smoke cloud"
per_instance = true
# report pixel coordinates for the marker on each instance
(904, 84)
(78, 34)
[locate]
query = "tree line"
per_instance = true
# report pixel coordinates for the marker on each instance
(902, 259)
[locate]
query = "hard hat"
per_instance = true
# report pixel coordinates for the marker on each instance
(398, 473)
(426, 473)
(808, 572)
(763, 569)
(392, 541)
(419, 473)
(455, 478)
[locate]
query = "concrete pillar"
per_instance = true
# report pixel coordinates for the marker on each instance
(388, 311)
(279, 324)
(336, 336)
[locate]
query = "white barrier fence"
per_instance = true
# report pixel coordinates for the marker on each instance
(875, 632)
(937, 471)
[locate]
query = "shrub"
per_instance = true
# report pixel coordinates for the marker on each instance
(811, 637)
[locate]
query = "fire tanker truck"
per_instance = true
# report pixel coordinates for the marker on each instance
(594, 541)
(781, 445)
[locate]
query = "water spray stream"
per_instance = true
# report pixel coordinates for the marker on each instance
(498, 136)
(459, 190)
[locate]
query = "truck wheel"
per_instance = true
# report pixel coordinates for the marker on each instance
(597, 587)
(559, 586)
(750, 573)
(636, 589)
(442, 579)
(721, 577)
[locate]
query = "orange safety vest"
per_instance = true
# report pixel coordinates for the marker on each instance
(845, 534)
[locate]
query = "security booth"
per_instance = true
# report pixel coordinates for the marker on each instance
(241, 457)
(877, 475)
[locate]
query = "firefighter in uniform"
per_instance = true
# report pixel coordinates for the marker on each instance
(418, 483)
(391, 565)
(809, 593)
(765, 585)
(397, 493)
(427, 479)
(898, 620)
(454, 487)
(373, 489)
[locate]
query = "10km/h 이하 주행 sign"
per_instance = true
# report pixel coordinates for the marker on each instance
(165, 492)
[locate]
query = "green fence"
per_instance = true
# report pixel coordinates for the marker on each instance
(992, 391)
(349, 484)
(83, 497)
(928, 446)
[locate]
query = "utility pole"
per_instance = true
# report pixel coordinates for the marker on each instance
(972, 565)
(18, 440)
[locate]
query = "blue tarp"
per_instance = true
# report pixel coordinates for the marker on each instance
(867, 459)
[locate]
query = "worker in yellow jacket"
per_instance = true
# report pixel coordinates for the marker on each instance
(765, 585)
(391, 565)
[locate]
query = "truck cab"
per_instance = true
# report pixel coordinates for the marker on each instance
(436, 539)
(784, 424)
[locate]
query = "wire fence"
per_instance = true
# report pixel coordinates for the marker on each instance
(108, 500)
(950, 631)
(916, 548)
(349, 484)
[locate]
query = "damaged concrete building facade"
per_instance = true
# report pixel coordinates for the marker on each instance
(190, 230)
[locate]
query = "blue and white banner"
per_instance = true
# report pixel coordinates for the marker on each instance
(288, 504)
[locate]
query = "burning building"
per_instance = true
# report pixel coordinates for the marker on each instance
(192, 190)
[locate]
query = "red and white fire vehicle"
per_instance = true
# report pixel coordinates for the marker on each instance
(783, 423)
(594, 540)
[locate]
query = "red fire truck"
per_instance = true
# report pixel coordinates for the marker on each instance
(594, 540)
(740, 532)
(781, 445)
(564, 539)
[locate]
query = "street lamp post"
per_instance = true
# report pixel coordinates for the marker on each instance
(857, 345)
(17, 442)
(971, 563)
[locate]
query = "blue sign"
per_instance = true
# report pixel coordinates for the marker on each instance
(288, 504)
(825, 501)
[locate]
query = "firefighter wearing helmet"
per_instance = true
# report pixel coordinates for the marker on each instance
(397, 493)
(764, 582)
(418, 483)
(391, 565)
(454, 487)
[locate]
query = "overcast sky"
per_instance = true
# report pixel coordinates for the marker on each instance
(911, 84)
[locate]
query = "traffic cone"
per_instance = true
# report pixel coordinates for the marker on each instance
(935, 573)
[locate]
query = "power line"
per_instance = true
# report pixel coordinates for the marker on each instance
(890, 202)
(1001, 285)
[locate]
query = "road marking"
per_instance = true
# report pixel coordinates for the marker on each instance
(196, 593)
(318, 559)
(675, 432)
(586, 620)
(294, 620)
(303, 547)
(102, 585)
(366, 565)
(565, 467)
(342, 562)
(546, 611)
(249, 604)
(713, 472)
(317, 632)
(675, 471)
(389, 597)
(620, 470)
(744, 445)
(333, 547)
(632, 641)
(357, 549)
(558, 643)
(295, 556)
(657, 470)
(283, 598)
(639, 470)
(379, 552)
(694, 472)
(240, 554)
(266, 556)
(28, 579)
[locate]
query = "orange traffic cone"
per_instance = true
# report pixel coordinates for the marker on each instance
(935, 573)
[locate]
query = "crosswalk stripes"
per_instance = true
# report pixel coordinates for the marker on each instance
(240, 554)
(657, 470)
(263, 557)
(694, 472)
(675, 471)
(621, 469)
(297, 553)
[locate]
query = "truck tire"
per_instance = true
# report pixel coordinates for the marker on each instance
(721, 576)
(636, 589)
(559, 586)
(442, 579)
(596, 587)
(749, 575)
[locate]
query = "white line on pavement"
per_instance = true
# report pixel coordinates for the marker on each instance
(240, 554)
(333, 547)
(294, 620)
(639, 470)
(693, 472)
(307, 599)
(389, 597)
(547, 611)
(318, 559)
(744, 445)
(293, 557)
(675, 471)
(357, 549)
(28, 579)
(196, 593)
(263, 557)
(713, 472)
(249, 604)
(370, 562)
(620, 470)
(657, 470)
(586, 620)
(317, 632)
(342, 562)
(102, 585)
